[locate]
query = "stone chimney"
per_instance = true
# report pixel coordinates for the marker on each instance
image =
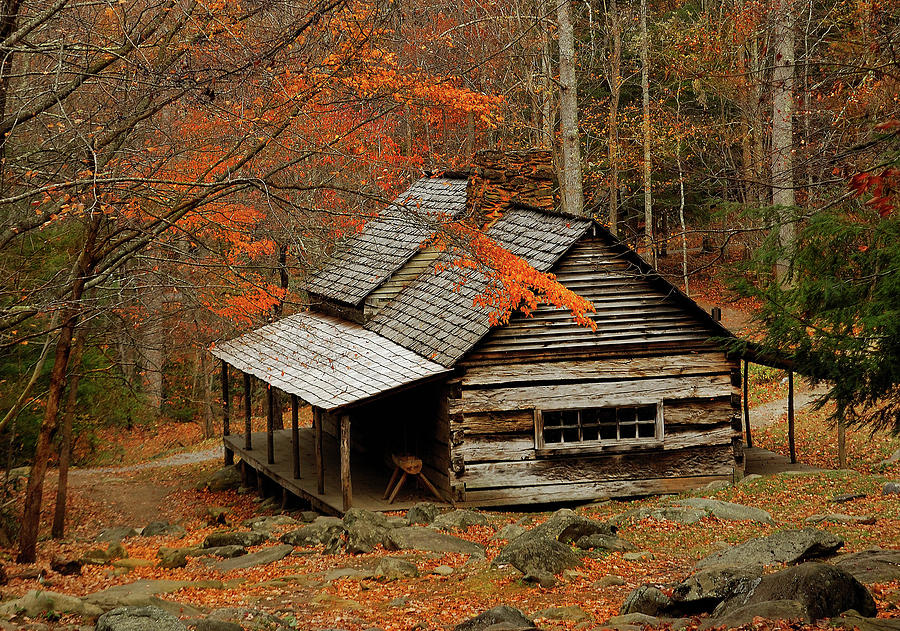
(501, 178)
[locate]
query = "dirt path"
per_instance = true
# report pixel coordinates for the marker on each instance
(769, 413)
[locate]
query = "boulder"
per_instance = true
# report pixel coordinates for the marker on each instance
(851, 620)
(503, 615)
(509, 532)
(459, 519)
(537, 555)
(139, 619)
(785, 546)
(679, 514)
(224, 479)
(233, 538)
(223, 552)
(250, 619)
(646, 599)
(770, 610)
(572, 612)
(263, 557)
(728, 511)
(603, 542)
(115, 534)
(308, 516)
(215, 625)
(66, 567)
(840, 518)
(392, 568)
(430, 540)
(365, 530)
(422, 514)
(703, 591)
(217, 516)
(874, 565)
(323, 530)
(823, 591)
(890, 488)
(609, 580)
(171, 558)
(847, 497)
(636, 619)
(567, 527)
(749, 479)
(138, 594)
(269, 523)
(162, 528)
(37, 602)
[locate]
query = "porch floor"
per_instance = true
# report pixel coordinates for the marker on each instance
(368, 479)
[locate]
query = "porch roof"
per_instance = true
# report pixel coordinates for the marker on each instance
(327, 362)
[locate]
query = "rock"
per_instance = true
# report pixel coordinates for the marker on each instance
(429, 540)
(216, 516)
(443, 570)
(646, 599)
(139, 619)
(323, 530)
(37, 602)
(603, 542)
(223, 552)
(233, 538)
(131, 564)
(822, 590)
(138, 594)
(840, 518)
(537, 555)
(728, 511)
(703, 591)
(459, 519)
(609, 580)
(637, 556)
(874, 565)
(66, 567)
(216, 625)
(171, 558)
(162, 528)
(263, 557)
(308, 516)
(679, 514)
(637, 619)
(847, 497)
(890, 488)
(572, 612)
(116, 534)
(266, 525)
(770, 610)
(347, 572)
(422, 513)
(365, 530)
(853, 620)
(392, 568)
(504, 614)
(250, 619)
(749, 479)
(717, 485)
(543, 579)
(785, 546)
(567, 527)
(508, 533)
(224, 479)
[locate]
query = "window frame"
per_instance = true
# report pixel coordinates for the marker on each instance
(599, 445)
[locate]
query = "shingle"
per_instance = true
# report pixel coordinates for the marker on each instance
(365, 260)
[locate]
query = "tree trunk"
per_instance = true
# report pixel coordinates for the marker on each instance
(9, 16)
(572, 194)
(65, 444)
(782, 129)
(684, 257)
(645, 90)
(842, 445)
(31, 513)
(614, 71)
(546, 101)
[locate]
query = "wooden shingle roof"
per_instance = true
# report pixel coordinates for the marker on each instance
(385, 243)
(436, 315)
(327, 362)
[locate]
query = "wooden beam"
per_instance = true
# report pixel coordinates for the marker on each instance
(346, 488)
(746, 401)
(295, 436)
(317, 449)
(270, 425)
(791, 445)
(247, 413)
(226, 420)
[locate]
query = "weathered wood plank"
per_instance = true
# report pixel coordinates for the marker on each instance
(583, 395)
(716, 461)
(694, 412)
(624, 368)
(494, 422)
(346, 483)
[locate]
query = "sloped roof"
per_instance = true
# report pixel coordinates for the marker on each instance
(327, 362)
(436, 316)
(365, 260)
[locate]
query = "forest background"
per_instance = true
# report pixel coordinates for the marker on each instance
(171, 170)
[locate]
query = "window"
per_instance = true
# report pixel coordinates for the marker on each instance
(599, 427)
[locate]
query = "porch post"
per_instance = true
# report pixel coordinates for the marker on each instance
(226, 420)
(247, 413)
(346, 489)
(270, 425)
(791, 446)
(747, 403)
(295, 436)
(317, 449)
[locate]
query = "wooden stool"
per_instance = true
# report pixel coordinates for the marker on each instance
(406, 465)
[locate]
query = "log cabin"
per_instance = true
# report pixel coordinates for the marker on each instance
(398, 360)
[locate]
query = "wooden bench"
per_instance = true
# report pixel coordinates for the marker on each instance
(406, 465)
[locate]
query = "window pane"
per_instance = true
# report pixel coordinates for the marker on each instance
(572, 427)
(647, 430)
(608, 430)
(552, 418)
(570, 434)
(627, 431)
(590, 433)
(569, 417)
(552, 435)
(647, 413)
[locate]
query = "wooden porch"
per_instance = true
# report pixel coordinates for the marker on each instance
(369, 479)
